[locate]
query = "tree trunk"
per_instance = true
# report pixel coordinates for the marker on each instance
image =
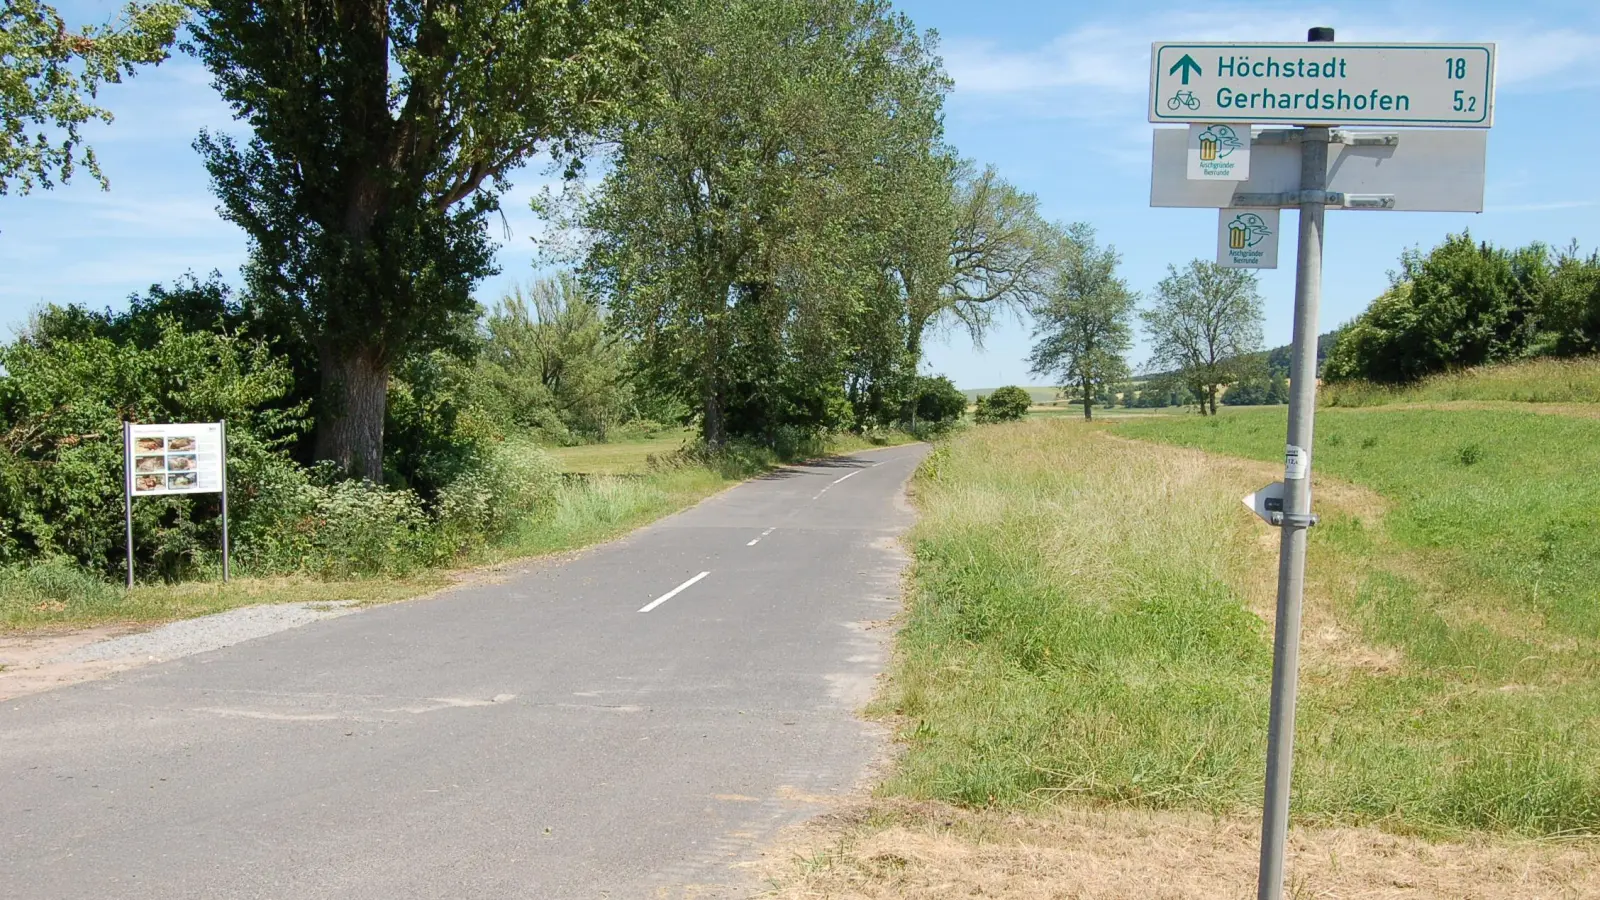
(714, 428)
(1088, 402)
(1212, 392)
(351, 409)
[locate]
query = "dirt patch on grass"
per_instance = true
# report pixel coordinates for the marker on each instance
(883, 848)
(1325, 644)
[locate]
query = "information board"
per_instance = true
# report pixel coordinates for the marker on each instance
(175, 459)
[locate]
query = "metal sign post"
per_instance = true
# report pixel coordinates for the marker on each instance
(1312, 86)
(1296, 508)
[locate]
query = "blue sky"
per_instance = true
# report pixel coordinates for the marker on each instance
(1052, 93)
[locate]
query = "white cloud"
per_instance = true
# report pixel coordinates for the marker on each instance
(1113, 59)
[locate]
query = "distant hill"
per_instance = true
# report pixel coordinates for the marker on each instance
(1278, 357)
(1039, 394)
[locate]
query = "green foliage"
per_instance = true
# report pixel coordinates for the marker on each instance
(1084, 330)
(991, 251)
(178, 355)
(1465, 305)
(1007, 404)
(1205, 324)
(1570, 311)
(744, 235)
(382, 138)
(1261, 386)
(62, 404)
(548, 364)
(49, 77)
(938, 402)
(1460, 304)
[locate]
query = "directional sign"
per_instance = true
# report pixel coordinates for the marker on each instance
(1429, 85)
(1267, 503)
(1417, 170)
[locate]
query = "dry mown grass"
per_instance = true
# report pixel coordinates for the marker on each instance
(885, 848)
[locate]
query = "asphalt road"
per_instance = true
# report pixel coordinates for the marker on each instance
(542, 737)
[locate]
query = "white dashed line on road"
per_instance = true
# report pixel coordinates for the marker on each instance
(852, 474)
(672, 593)
(762, 535)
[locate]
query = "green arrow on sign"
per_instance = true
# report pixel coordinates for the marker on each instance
(1186, 64)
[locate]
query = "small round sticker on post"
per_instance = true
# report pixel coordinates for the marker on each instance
(1296, 462)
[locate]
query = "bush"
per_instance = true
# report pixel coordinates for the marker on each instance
(936, 402)
(1007, 404)
(63, 399)
(1461, 304)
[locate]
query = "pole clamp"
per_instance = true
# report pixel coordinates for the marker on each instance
(1293, 520)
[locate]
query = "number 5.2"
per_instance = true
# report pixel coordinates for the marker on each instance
(1465, 103)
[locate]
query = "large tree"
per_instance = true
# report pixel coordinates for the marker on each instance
(743, 233)
(383, 132)
(1084, 329)
(49, 79)
(1206, 322)
(996, 254)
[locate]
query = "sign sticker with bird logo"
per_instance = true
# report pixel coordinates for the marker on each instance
(1219, 152)
(1247, 238)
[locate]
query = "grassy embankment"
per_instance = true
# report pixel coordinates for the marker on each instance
(1088, 620)
(613, 489)
(1089, 643)
(1542, 381)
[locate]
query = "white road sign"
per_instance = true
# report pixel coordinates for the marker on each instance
(1426, 85)
(175, 459)
(1267, 502)
(1247, 238)
(1423, 170)
(1219, 152)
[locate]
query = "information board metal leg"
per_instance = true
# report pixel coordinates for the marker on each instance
(127, 493)
(224, 431)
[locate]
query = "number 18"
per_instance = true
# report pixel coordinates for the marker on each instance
(1455, 68)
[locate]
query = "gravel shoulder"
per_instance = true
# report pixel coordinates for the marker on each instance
(43, 661)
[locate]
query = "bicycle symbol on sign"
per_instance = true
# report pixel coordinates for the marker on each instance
(1183, 98)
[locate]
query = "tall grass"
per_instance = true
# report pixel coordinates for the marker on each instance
(1086, 624)
(1074, 630)
(1535, 381)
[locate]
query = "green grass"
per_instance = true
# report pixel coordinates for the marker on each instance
(1535, 381)
(1507, 498)
(1083, 622)
(623, 458)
